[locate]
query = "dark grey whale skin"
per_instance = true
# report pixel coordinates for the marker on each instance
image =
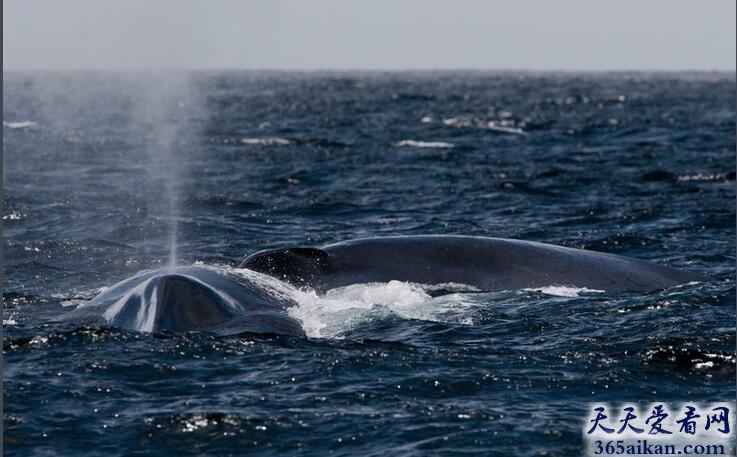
(488, 264)
(189, 299)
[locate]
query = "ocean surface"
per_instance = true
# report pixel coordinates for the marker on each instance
(107, 174)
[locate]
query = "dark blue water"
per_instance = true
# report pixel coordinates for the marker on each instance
(98, 168)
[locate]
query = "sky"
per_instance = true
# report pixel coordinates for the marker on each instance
(571, 35)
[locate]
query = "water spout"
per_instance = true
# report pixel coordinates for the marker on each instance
(168, 112)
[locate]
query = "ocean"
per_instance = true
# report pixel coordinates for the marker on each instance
(106, 174)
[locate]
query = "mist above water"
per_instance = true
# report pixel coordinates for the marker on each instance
(166, 109)
(150, 118)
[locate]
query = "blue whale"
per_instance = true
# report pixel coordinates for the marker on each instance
(188, 299)
(487, 264)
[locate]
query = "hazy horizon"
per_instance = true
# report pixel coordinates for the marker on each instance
(522, 71)
(383, 35)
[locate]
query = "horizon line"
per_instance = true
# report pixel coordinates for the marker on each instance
(365, 70)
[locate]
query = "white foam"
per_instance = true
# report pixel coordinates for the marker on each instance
(458, 122)
(346, 308)
(75, 302)
(339, 310)
(703, 177)
(273, 286)
(424, 144)
(564, 291)
(449, 287)
(9, 322)
(269, 141)
(504, 124)
(20, 124)
(504, 127)
(14, 216)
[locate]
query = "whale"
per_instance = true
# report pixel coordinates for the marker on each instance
(191, 299)
(482, 263)
(255, 301)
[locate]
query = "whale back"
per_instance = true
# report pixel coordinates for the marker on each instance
(297, 266)
(487, 264)
(190, 299)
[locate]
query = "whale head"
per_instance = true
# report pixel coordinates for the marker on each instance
(191, 299)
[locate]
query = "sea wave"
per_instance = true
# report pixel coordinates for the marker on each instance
(340, 310)
(268, 141)
(348, 308)
(564, 291)
(704, 177)
(20, 124)
(424, 144)
(503, 124)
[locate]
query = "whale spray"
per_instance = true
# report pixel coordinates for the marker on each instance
(168, 104)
